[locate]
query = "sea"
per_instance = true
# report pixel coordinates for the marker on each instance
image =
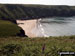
(56, 26)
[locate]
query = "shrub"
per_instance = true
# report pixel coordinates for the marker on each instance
(10, 49)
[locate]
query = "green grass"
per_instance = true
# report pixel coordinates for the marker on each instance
(8, 28)
(33, 46)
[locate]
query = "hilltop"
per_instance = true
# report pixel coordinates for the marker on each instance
(21, 11)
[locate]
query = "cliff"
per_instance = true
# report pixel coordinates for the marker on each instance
(21, 11)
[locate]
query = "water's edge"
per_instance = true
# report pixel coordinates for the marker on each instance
(48, 27)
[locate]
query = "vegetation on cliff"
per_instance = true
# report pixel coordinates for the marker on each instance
(18, 11)
(8, 28)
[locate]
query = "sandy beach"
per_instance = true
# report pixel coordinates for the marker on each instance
(28, 26)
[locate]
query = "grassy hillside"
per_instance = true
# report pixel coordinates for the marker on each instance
(8, 28)
(34, 47)
(18, 11)
(17, 46)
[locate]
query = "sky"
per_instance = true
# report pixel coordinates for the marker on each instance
(44, 2)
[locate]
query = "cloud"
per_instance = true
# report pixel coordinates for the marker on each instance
(46, 2)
